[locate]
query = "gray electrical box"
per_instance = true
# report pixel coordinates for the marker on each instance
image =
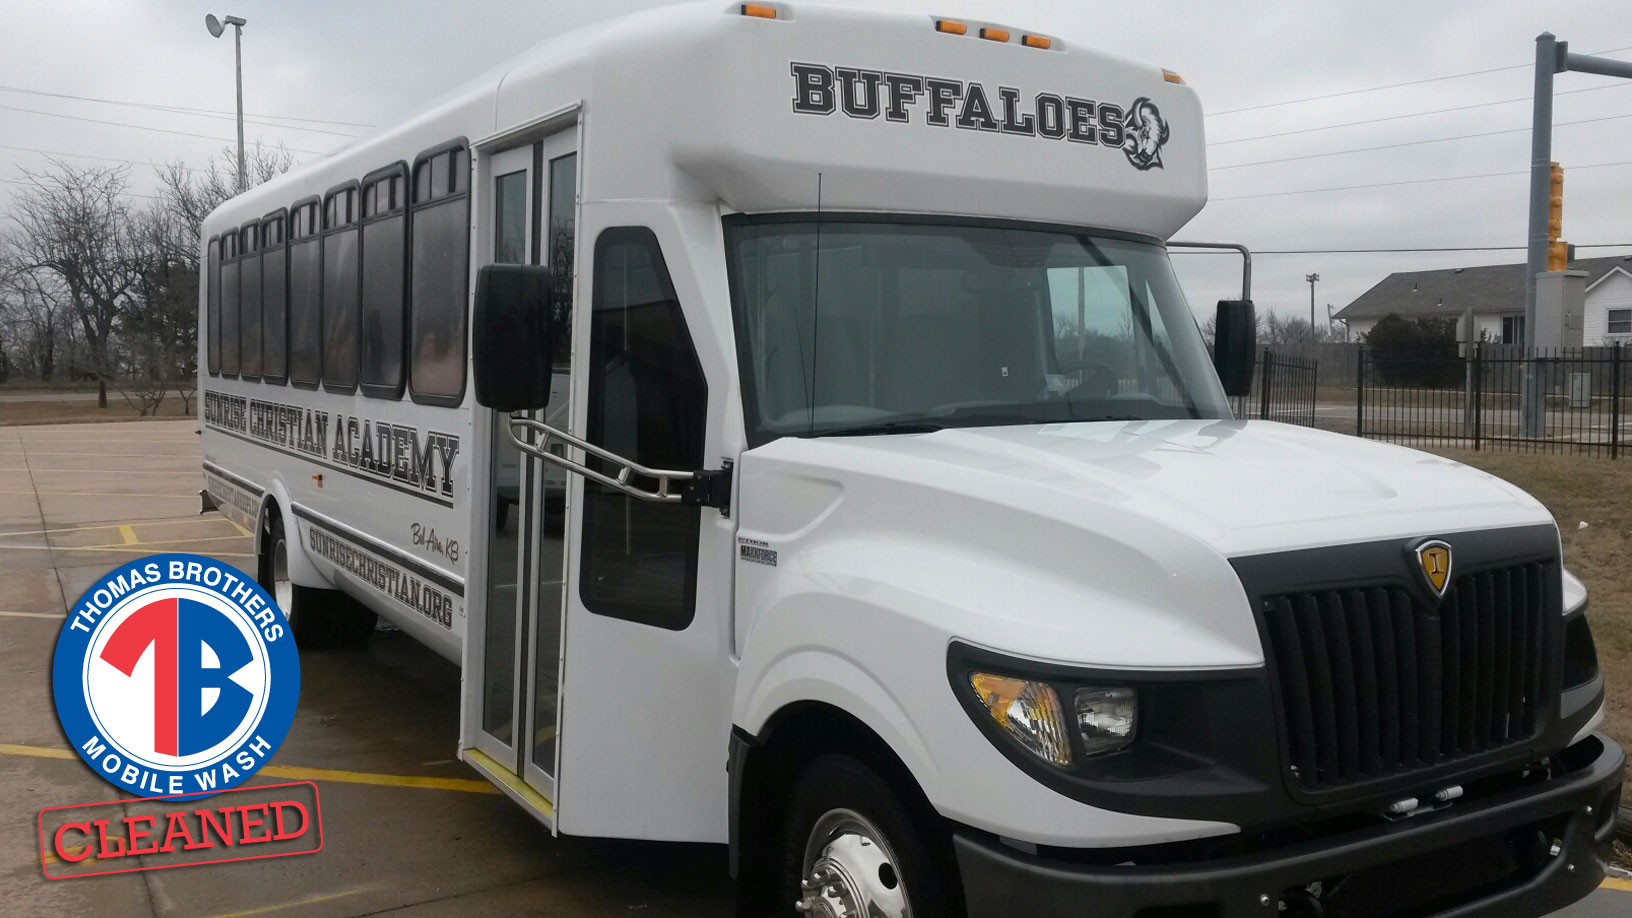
(1561, 298)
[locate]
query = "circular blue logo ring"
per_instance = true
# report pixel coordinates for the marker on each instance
(219, 597)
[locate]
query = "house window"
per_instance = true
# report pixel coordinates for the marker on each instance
(1620, 321)
(1512, 329)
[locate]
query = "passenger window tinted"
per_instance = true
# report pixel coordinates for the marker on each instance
(274, 304)
(249, 304)
(384, 242)
(439, 286)
(305, 299)
(229, 305)
(341, 281)
(647, 402)
(213, 310)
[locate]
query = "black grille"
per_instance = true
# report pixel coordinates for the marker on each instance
(1374, 682)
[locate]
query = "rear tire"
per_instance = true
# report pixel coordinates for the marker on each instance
(850, 842)
(317, 617)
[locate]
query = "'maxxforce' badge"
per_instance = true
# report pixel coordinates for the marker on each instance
(175, 675)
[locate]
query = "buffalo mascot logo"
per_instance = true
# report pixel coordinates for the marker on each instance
(1146, 131)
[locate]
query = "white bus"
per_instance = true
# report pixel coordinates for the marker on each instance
(873, 504)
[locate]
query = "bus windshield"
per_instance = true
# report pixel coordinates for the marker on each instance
(855, 326)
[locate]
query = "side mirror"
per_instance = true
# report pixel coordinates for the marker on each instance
(511, 344)
(1235, 345)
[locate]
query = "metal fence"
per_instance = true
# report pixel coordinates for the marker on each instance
(1283, 389)
(1473, 402)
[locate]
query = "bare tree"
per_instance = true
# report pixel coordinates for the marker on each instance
(73, 227)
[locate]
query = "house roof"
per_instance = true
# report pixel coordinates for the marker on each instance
(1486, 289)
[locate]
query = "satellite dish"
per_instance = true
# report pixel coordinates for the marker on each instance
(213, 24)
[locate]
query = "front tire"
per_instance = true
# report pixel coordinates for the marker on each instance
(852, 847)
(317, 618)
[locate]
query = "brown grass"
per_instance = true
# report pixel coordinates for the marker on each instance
(47, 411)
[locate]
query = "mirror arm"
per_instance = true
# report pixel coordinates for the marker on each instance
(701, 488)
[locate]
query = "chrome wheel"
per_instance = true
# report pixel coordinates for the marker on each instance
(283, 589)
(849, 871)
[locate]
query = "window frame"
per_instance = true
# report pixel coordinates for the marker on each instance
(453, 146)
(605, 239)
(399, 169)
(212, 305)
(354, 225)
(313, 236)
(281, 214)
(1609, 321)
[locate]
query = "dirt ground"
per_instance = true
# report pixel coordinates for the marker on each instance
(51, 411)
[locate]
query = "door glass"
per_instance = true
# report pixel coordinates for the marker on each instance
(503, 555)
(559, 227)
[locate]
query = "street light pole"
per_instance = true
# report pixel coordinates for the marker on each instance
(1311, 278)
(217, 27)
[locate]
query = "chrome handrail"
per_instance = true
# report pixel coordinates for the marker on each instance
(667, 479)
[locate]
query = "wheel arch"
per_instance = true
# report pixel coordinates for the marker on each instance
(277, 506)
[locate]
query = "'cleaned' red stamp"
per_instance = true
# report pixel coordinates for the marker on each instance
(119, 836)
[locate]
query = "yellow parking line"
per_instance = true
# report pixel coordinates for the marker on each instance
(1617, 883)
(44, 493)
(467, 785)
(278, 908)
(235, 524)
(32, 615)
(159, 521)
(126, 549)
(128, 533)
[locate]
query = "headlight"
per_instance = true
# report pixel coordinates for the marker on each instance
(1028, 711)
(1106, 718)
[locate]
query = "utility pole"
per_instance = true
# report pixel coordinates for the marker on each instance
(217, 27)
(1311, 278)
(1552, 56)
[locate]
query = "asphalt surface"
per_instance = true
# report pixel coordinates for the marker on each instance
(407, 830)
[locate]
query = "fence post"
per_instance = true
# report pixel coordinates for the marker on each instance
(1615, 404)
(1265, 383)
(1478, 394)
(1360, 391)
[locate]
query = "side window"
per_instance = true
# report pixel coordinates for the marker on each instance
(305, 297)
(249, 301)
(342, 280)
(229, 304)
(385, 239)
(212, 283)
(647, 402)
(274, 301)
(439, 276)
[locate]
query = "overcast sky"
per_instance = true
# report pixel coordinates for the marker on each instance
(364, 61)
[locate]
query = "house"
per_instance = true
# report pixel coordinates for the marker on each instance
(1495, 293)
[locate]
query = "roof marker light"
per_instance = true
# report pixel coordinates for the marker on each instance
(991, 34)
(1037, 41)
(1172, 77)
(951, 27)
(759, 11)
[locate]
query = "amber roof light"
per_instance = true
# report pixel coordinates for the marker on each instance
(951, 27)
(759, 11)
(991, 34)
(1037, 41)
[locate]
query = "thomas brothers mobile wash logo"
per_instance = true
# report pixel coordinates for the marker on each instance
(175, 675)
(1139, 131)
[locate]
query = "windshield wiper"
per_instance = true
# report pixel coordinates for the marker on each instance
(889, 427)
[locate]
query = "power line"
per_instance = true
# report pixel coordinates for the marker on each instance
(1408, 143)
(109, 159)
(139, 127)
(128, 194)
(181, 109)
(1354, 92)
(1437, 111)
(1426, 181)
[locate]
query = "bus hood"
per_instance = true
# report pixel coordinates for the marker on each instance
(1124, 526)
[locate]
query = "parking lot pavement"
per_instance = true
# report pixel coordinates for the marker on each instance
(407, 830)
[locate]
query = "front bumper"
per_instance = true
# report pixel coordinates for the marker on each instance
(1490, 856)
